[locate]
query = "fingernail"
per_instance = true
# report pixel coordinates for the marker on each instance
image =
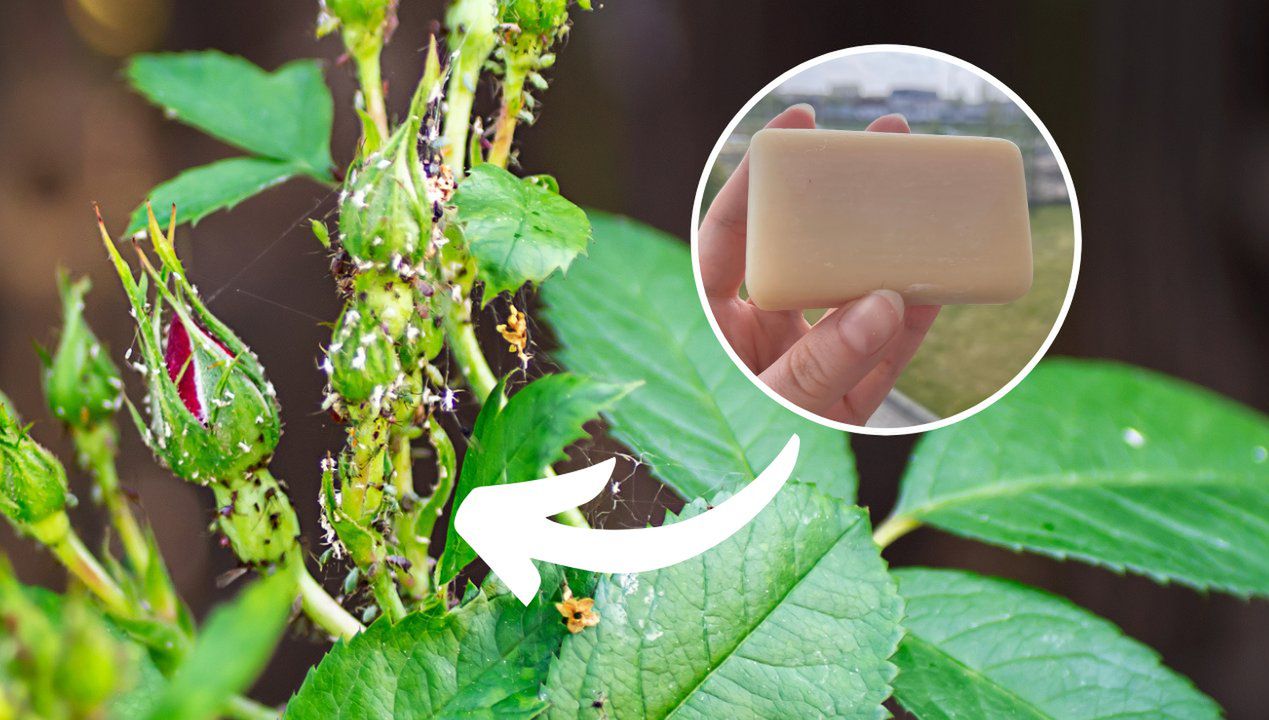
(870, 323)
(896, 116)
(809, 108)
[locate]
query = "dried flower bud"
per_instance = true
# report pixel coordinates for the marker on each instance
(81, 384)
(32, 481)
(213, 415)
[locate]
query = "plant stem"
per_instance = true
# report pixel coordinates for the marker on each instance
(402, 462)
(574, 517)
(242, 708)
(459, 98)
(386, 595)
(322, 609)
(893, 528)
(470, 358)
(70, 551)
(417, 580)
(472, 36)
(370, 77)
(512, 102)
(445, 472)
(96, 445)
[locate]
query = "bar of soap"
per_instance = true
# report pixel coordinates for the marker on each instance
(834, 215)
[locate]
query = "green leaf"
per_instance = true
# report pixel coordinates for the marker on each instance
(148, 685)
(47, 634)
(201, 191)
(793, 617)
(518, 230)
(486, 659)
(630, 312)
(987, 648)
(285, 115)
(1109, 464)
(516, 440)
(232, 649)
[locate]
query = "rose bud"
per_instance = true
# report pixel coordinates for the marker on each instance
(384, 217)
(385, 208)
(81, 384)
(257, 517)
(33, 491)
(362, 361)
(213, 415)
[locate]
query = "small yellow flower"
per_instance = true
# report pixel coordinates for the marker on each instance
(516, 332)
(579, 613)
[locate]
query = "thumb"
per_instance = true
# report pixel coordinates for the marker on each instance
(837, 353)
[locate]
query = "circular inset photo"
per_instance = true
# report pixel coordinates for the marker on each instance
(886, 239)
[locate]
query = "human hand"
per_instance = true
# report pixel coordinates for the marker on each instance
(842, 367)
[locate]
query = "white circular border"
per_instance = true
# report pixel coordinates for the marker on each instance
(911, 50)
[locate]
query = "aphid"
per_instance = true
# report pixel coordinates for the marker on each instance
(228, 577)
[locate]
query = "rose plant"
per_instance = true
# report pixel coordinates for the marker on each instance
(798, 615)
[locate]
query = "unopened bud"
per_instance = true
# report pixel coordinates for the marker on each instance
(81, 384)
(362, 358)
(213, 415)
(92, 661)
(256, 516)
(384, 216)
(362, 21)
(32, 482)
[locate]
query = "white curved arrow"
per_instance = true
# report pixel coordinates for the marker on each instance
(509, 525)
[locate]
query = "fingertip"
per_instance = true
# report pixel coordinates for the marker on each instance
(921, 316)
(800, 116)
(894, 298)
(892, 123)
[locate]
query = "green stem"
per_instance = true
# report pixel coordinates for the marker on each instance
(322, 609)
(512, 103)
(386, 595)
(370, 76)
(402, 462)
(96, 445)
(241, 708)
(574, 517)
(70, 551)
(459, 98)
(470, 358)
(445, 477)
(416, 581)
(893, 528)
(472, 36)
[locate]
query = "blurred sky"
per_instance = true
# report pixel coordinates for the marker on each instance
(877, 73)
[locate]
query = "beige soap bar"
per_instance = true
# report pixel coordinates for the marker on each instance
(835, 214)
